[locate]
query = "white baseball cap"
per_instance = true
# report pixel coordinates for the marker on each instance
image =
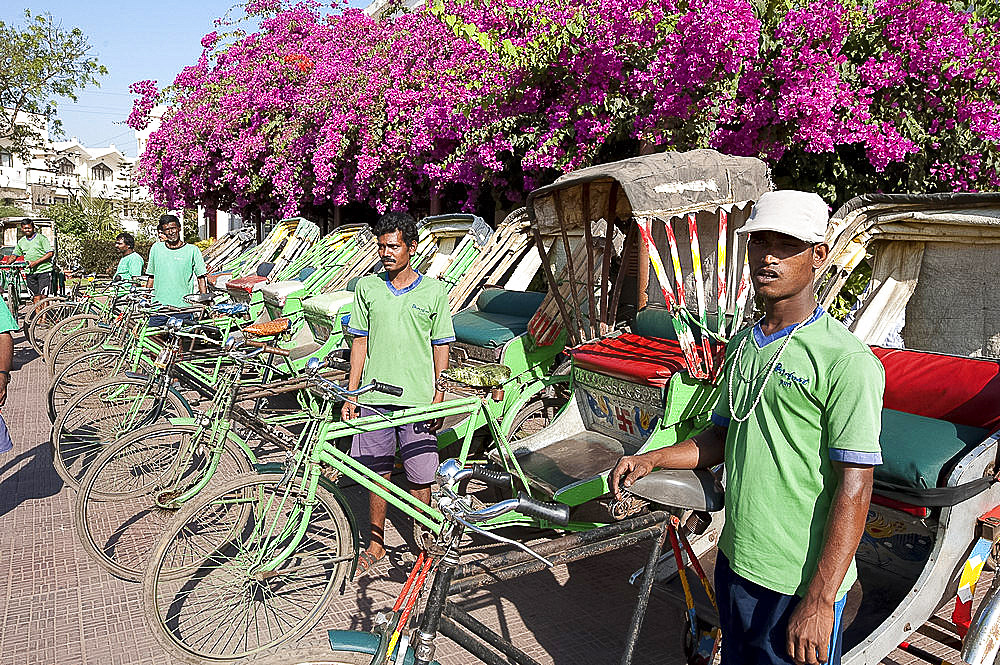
(802, 215)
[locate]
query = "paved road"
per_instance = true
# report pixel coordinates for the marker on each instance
(57, 606)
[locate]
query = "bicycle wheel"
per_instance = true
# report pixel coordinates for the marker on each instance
(538, 413)
(65, 327)
(124, 503)
(101, 415)
(76, 343)
(313, 656)
(44, 319)
(84, 371)
(227, 608)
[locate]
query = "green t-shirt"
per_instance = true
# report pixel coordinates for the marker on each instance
(33, 249)
(174, 272)
(7, 322)
(823, 403)
(401, 326)
(129, 266)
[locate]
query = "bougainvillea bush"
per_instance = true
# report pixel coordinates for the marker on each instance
(321, 106)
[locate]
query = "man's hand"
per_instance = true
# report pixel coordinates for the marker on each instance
(809, 629)
(628, 470)
(348, 411)
(434, 426)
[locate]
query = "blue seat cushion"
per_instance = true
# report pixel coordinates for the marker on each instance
(487, 329)
(499, 317)
(919, 452)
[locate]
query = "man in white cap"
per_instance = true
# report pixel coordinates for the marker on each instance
(797, 425)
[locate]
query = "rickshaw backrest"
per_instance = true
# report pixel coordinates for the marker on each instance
(964, 391)
(657, 322)
(510, 303)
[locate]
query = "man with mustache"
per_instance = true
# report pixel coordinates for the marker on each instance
(797, 425)
(402, 329)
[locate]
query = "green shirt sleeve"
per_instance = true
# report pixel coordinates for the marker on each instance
(442, 330)
(151, 266)
(7, 322)
(197, 262)
(358, 324)
(853, 413)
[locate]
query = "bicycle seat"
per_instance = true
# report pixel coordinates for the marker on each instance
(695, 489)
(268, 328)
(200, 298)
(480, 376)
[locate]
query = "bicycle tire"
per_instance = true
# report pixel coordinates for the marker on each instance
(74, 344)
(118, 519)
(536, 415)
(313, 656)
(63, 328)
(198, 616)
(85, 370)
(98, 416)
(39, 306)
(44, 319)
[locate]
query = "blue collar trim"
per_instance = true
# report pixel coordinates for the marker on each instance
(399, 292)
(763, 340)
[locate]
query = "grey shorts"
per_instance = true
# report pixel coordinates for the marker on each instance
(39, 284)
(417, 447)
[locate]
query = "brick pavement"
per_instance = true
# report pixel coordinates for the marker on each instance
(59, 607)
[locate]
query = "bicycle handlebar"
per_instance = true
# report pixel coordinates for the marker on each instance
(387, 388)
(494, 477)
(273, 350)
(557, 513)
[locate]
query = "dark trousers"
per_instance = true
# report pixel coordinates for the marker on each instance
(755, 620)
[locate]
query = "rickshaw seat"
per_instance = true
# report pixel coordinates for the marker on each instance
(937, 408)
(244, 283)
(578, 457)
(278, 292)
(498, 317)
(631, 357)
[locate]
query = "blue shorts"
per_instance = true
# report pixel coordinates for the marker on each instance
(755, 620)
(417, 446)
(160, 320)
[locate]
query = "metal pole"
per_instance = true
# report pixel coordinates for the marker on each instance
(647, 586)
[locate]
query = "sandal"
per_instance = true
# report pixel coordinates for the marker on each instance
(366, 562)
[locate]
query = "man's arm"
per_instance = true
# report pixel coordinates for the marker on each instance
(6, 363)
(440, 353)
(811, 623)
(359, 351)
(699, 452)
(45, 257)
(202, 284)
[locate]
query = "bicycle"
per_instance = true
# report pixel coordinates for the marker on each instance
(12, 285)
(140, 481)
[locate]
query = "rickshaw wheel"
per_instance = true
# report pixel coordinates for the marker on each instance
(101, 415)
(118, 518)
(75, 344)
(62, 328)
(82, 372)
(206, 614)
(538, 413)
(46, 319)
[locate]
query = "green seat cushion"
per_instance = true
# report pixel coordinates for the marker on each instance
(919, 452)
(326, 305)
(487, 329)
(657, 323)
(510, 303)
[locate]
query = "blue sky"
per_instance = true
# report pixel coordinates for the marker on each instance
(135, 41)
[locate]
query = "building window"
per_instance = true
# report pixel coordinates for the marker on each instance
(65, 167)
(101, 172)
(6, 159)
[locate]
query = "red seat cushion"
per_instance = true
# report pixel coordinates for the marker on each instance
(244, 283)
(632, 357)
(964, 391)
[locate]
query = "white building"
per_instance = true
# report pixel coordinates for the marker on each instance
(62, 171)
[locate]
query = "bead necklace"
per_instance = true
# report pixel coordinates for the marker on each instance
(766, 372)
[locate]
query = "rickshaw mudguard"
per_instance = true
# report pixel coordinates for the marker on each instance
(331, 487)
(355, 641)
(528, 392)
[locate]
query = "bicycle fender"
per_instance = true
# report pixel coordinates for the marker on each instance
(355, 641)
(328, 485)
(187, 404)
(526, 395)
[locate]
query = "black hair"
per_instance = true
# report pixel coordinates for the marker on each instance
(167, 219)
(397, 221)
(127, 238)
(28, 221)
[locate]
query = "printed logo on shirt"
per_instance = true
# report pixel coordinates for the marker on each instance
(788, 377)
(422, 310)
